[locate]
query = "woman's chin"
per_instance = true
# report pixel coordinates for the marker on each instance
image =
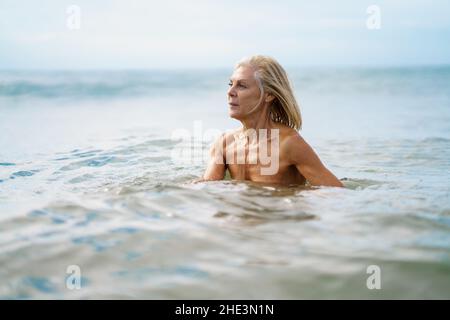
(234, 114)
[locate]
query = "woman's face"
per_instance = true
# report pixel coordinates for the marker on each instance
(244, 93)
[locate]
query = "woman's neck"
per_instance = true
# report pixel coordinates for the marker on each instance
(260, 120)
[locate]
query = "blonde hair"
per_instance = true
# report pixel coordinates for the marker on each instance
(273, 79)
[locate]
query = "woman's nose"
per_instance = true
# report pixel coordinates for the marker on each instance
(231, 92)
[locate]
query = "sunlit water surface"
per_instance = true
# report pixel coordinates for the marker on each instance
(88, 178)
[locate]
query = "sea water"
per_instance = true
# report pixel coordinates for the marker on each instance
(94, 202)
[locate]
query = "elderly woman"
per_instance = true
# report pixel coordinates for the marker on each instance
(268, 147)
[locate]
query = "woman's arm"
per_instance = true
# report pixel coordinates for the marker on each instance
(216, 165)
(309, 164)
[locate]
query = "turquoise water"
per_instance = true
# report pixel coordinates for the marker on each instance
(88, 178)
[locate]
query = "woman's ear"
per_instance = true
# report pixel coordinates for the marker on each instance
(269, 98)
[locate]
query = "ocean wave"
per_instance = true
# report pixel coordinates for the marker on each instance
(105, 84)
(130, 83)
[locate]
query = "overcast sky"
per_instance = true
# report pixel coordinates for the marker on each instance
(202, 34)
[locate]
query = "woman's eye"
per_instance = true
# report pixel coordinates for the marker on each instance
(239, 85)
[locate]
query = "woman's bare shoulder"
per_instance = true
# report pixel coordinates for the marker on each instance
(293, 146)
(226, 138)
(288, 135)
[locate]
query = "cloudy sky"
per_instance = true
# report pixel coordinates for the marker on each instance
(202, 34)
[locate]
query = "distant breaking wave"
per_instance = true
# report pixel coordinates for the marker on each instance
(414, 81)
(104, 84)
